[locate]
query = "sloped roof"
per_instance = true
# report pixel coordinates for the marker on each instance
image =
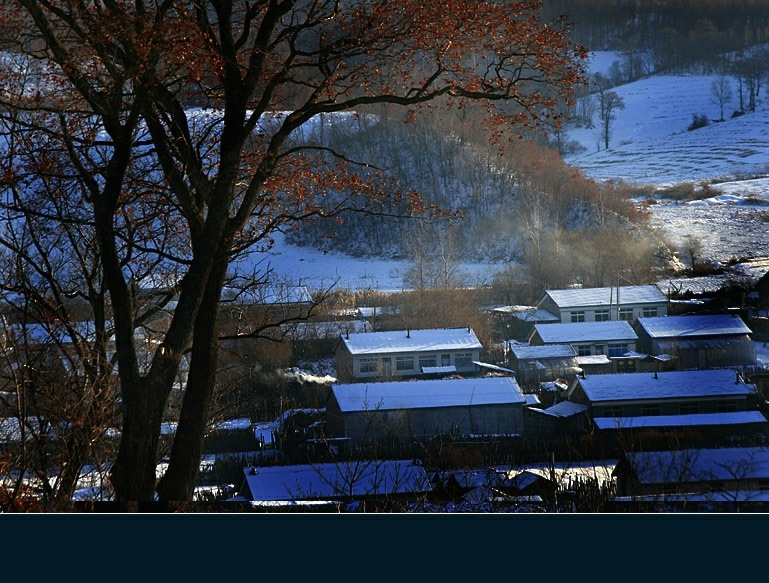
(563, 409)
(539, 352)
(572, 332)
(606, 296)
(700, 465)
(535, 316)
(407, 341)
(336, 480)
(684, 384)
(690, 420)
(693, 326)
(392, 395)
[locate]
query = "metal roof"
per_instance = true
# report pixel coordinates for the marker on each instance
(700, 465)
(696, 325)
(422, 394)
(409, 341)
(573, 332)
(689, 420)
(336, 480)
(683, 384)
(607, 296)
(549, 351)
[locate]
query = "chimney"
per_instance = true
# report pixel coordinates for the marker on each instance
(655, 375)
(408, 333)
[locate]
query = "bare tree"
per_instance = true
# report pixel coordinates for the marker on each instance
(692, 247)
(720, 94)
(189, 189)
(609, 103)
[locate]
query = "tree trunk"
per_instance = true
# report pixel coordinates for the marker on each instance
(178, 483)
(133, 473)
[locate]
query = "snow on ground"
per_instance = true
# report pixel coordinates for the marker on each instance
(649, 145)
(649, 140)
(320, 270)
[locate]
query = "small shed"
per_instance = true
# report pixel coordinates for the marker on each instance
(537, 364)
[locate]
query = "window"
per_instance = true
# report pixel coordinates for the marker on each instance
(463, 359)
(647, 410)
(727, 407)
(602, 316)
(649, 312)
(445, 360)
(428, 360)
(368, 365)
(626, 314)
(688, 408)
(612, 412)
(617, 349)
(578, 316)
(404, 363)
(763, 485)
(584, 350)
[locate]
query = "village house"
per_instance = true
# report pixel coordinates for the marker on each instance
(419, 410)
(610, 339)
(734, 473)
(665, 393)
(406, 353)
(601, 304)
(342, 481)
(698, 341)
(712, 406)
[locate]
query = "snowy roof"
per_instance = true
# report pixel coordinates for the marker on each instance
(492, 367)
(439, 369)
(563, 409)
(593, 359)
(606, 296)
(336, 480)
(427, 393)
(683, 384)
(697, 465)
(571, 332)
(405, 341)
(690, 420)
(539, 352)
(536, 316)
(697, 325)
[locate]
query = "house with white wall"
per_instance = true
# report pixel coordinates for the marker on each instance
(406, 353)
(600, 304)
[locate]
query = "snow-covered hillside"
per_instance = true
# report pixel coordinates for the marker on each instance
(650, 143)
